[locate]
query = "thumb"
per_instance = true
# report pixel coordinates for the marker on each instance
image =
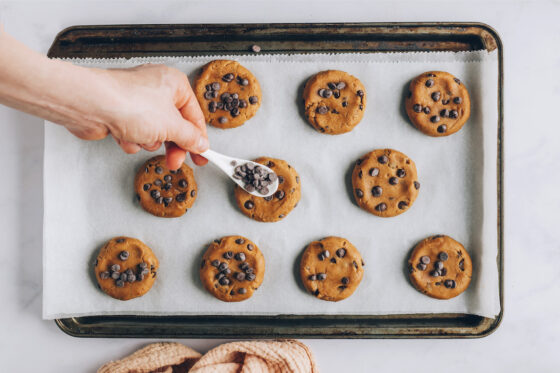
(188, 136)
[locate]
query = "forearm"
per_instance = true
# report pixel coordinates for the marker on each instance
(55, 90)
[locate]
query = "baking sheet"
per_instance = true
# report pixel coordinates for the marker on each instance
(89, 196)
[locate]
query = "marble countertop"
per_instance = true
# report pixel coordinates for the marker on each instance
(529, 336)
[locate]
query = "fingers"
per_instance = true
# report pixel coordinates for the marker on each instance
(187, 136)
(128, 147)
(174, 155)
(153, 147)
(198, 159)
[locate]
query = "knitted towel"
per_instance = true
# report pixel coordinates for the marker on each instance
(282, 356)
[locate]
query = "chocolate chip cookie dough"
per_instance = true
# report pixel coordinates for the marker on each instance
(331, 268)
(163, 192)
(438, 103)
(334, 101)
(232, 268)
(228, 93)
(440, 267)
(277, 206)
(125, 268)
(385, 182)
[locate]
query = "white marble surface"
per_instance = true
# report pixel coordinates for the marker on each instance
(528, 338)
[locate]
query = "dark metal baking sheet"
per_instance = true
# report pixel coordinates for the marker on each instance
(180, 40)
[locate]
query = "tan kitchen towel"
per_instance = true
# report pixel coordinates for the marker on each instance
(281, 356)
(163, 357)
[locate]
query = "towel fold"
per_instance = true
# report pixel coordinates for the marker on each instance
(278, 356)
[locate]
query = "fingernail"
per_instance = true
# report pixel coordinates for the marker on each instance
(203, 144)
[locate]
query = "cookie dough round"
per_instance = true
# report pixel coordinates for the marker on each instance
(438, 103)
(125, 268)
(385, 182)
(232, 268)
(228, 93)
(277, 206)
(440, 267)
(164, 192)
(331, 268)
(334, 101)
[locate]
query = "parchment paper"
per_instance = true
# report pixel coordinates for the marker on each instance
(89, 196)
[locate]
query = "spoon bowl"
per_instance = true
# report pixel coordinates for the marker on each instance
(231, 166)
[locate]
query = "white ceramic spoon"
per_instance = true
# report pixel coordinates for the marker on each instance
(228, 165)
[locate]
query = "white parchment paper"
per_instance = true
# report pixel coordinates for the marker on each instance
(89, 196)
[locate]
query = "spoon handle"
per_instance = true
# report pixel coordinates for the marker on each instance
(220, 160)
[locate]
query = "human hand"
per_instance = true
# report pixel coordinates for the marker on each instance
(144, 107)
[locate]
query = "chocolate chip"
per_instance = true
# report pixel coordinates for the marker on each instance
(240, 256)
(244, 82)
(374, 171)
(333, 260)
(453, 114)
(253, 100)
(228, 77)
(123, 255)
(143, 265)
(223, 266)
(445, 102)
(158, 182)
(159, 170)
(243, 266)
(219, 276)
(140, 277)
(457, 81)
(434, 118)
(436, 96)
(124, 276)
(326, 254)
(431, 74)
(376, 191)
(457, 100)
(167, 178)
(131, 278)
(360, 174)
(208, 95)
(360, 93)
(462, 265)
(434, 273)
(331, 85)
(401, 172)
(228, 255)
(183, 183)
(359, 193)
(444, 113)
(181, 197)
(250, 277)
(104, 275)
(442, 128)
(216, 86)
(312, 277)
(438, 265)
(280, 179)
(322, 109)
(240, 241)
(344, 103)
(222, 120)
(417, 108)
(427, 110)
(239, 276)
(321, 276)
(215, 263)
(268, 199)
(250, 247)
(450, 284)
(255, 48)
(341, 252)
(425, 259)
(193, 193)
(234, 112)
(167, 186)
(443, 271)
(147, 186)
(429, 83)
(115, 268)
(280, 194)
(416, 185)
(345, 280)
(224, 281)
(341, 85)
(402, 205)
(115, 275)
(242, 291)
(208, 87)
(443, 256)
(421, 266)
(393, 180)
(381, 207)
(119, 283)
(383, 159)
(327, 93)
